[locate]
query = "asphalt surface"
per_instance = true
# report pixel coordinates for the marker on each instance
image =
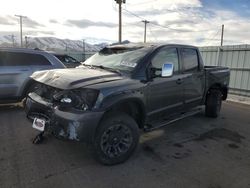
(193, 152)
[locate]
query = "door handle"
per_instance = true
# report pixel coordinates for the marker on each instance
(179, 81)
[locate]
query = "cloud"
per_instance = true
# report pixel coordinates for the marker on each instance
(27, 22)
(53, 21)
(196, 22)
(189, 24)
(12, 20)
(7, 20)
(26, 33)
(84, 23)
(148, 12)
(162, 7)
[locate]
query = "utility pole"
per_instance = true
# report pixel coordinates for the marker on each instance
(13, 40)
(66, 47)
(83, 49)
(119, 2)
(26, 41)
(218, 58)
(222, 35)
(21, 29)
(145, 29)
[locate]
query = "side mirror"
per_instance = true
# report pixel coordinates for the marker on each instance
(167, 70)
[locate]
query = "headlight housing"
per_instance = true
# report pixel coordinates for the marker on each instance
(80, 99)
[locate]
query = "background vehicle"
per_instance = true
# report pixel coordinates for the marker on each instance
(16, 65)
(125, 88)
(67, 60)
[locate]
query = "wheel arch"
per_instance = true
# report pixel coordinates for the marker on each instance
(133, 107)
(217, 86)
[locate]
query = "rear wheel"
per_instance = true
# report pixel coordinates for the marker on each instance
(213, 103)
(116, 139)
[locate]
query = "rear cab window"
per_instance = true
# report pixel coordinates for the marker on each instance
(22, 59)
(190, 61)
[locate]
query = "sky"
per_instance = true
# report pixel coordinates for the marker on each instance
(195, 22)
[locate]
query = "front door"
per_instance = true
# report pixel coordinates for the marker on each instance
(165, 94)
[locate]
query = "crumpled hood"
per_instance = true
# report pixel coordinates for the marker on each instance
(74, 78)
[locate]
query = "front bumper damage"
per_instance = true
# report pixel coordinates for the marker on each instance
(67, 124)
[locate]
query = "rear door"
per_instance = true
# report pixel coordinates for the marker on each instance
(165, 95)
(13, 73)
(193, 81)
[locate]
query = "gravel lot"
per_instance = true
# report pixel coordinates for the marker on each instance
(194, 152)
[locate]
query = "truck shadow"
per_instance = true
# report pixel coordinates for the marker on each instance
(197, 129)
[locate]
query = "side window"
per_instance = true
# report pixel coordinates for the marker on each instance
(190, 59)
(166, 55)
(36, 59)
(22, 59)
(61, 58)
(68, 59)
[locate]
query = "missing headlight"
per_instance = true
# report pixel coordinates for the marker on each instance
(87, 99)
(80, 99)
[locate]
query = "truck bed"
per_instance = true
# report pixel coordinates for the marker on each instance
(217, 75)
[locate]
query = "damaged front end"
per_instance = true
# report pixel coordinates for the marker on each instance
(68, 114)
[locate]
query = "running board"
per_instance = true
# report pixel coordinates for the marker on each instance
(164, 123)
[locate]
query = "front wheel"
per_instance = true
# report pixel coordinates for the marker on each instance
(213, 103)
(116, 139)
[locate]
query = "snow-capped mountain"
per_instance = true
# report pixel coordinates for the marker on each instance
(53, 44)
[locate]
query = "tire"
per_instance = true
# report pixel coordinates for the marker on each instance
(213, 103)
(116, 139)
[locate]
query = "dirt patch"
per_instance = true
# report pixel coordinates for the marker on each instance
(221, 133)
(180, 155)
(178, 145)
(48, 176)
(150, 152)
(214, 186)
(233, 146)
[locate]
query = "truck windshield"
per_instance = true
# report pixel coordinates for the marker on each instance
(118, 58)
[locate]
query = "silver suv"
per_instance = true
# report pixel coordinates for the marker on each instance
(16, 65)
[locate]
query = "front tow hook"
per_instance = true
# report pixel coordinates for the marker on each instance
(38, 138)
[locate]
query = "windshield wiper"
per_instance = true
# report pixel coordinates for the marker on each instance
(102, 67)
(86, 65)
(107, 68)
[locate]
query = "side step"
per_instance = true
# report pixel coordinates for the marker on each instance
(170, 121)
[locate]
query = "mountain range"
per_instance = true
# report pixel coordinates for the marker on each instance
(52, 44)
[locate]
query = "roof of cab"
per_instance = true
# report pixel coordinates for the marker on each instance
(147, 45)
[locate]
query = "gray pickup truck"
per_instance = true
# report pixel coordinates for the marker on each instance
(122, 89)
